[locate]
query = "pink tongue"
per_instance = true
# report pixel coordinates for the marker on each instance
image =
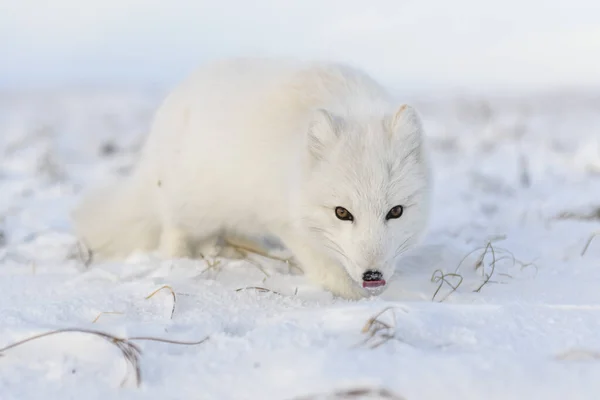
(372, 284)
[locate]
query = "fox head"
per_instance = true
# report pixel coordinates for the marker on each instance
(365, 191)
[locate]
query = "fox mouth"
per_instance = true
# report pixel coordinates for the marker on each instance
(374, 284)
(373, 279)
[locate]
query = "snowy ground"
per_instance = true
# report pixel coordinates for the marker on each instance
(522, 173)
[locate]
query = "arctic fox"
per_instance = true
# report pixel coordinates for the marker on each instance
(316, 154)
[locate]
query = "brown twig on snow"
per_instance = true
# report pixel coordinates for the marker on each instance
(258, 289)
(588, 243)
(105, 312)
(355, 393)
(480, 264)
(489, 248)
(130, 351)
(170, 289)
(375, 328)
(592, 215)
(439, 276)
(86, 255)
(246, 250)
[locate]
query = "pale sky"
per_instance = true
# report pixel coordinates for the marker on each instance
(404, 42)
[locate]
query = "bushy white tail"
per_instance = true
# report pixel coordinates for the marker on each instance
(114, 221)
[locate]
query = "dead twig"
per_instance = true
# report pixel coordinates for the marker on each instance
(247, 250)
(592, 215)
(258, 289)
(379, 331)
(105, 312)
(255, 250)
(211, 265)
(161, 340)
(86, 256)
(484, 250)
(170, 289)
(130, 351)
(497, 254)
(486, 277)
(259, 267)
(355, 393)
(588, 243)
(578, 354)
(440, 277)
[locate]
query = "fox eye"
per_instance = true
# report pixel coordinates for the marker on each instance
(395, 212)
(343, 214)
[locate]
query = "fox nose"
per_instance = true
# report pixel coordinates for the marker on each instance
(370, 276)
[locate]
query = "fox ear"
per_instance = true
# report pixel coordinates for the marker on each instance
(406, 128)
(406, 122)
(323, 132)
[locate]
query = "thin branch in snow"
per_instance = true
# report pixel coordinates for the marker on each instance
(106, 312)
(355, 393)
(258, 289)
(247, 250)
(130, 351)
(440, 277)
(487, 271)
(86, 256)
(592, 215)
(161, 340)
(259, 267)
(170, 289)
(379, 331)
(578, 355)
(480, 264)
(589, 242)
(256, 250)
(211, 265)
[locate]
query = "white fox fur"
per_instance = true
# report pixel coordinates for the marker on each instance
(250, 147)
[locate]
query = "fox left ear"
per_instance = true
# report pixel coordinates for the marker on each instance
(406, 127)
(406, 121)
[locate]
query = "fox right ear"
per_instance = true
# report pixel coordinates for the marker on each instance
(323, 132)
(406, 122)
(406, 129)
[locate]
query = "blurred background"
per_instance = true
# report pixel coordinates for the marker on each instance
(412, 45)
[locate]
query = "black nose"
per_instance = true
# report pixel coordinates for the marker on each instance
(371, 276)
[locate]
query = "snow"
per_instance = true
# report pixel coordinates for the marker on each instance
(519, 172)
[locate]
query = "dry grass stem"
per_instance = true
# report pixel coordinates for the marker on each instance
(246, 251)
(480, 264)
(578, 355)
(258, 289)
(378, 331)
(588, 243)
(440, 277)
(356, 393)
(592, 215)
(211, 265)
(106, 312)
(488, 270)
(497, 254)
(170, 289)
(259, 267)
(130, 351)
(86, 256)
(161, 340)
